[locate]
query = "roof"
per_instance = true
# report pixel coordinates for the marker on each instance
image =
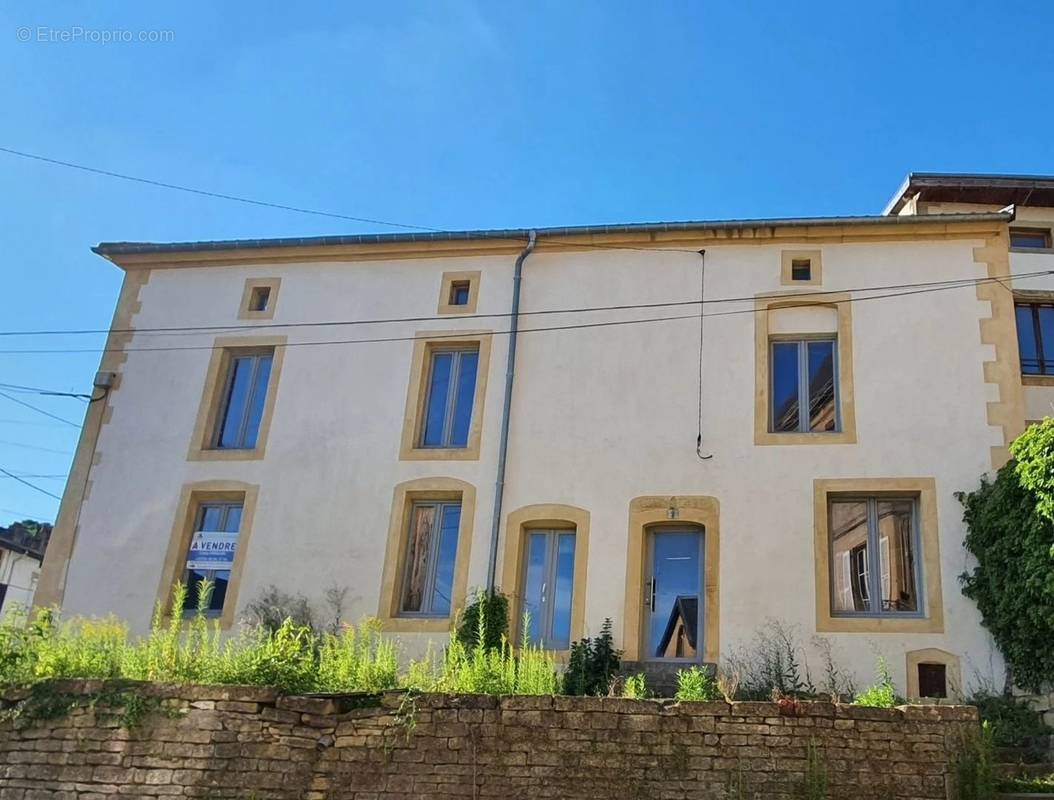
(566, 235)
(22, 539)
(967, 187)
(685, 607)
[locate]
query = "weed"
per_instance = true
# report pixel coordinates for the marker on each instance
(695, 683)
(636, 687)
(883, 694)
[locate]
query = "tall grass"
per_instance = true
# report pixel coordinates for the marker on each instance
(292, 657)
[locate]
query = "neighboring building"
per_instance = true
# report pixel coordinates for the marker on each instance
(841, 405)
(22, 548)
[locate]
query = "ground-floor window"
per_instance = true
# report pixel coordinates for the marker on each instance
(548, 583)
(211, 555)
(431, 553)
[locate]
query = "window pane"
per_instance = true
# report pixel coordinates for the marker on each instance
(850, 581)
(822, 413)
(234, 404)
(419, 546)
(896, 555)
(534, 578)
(562, 589)
(466, 389)
(459, 294)
(1046, 337)
(1025, 238)
(784, 386)
(446, 555)
(219, 591)
(1026, 341)
(210, 518)
(233, 522)
(435, 414)
(193, 581)
(259, 395)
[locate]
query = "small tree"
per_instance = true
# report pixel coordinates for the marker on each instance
(1011, 534)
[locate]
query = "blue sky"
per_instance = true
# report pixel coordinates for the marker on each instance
(466, 115)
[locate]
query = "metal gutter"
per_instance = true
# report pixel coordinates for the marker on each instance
(107, 249)
(503, 444)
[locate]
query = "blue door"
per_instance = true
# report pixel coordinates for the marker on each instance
(674, 599)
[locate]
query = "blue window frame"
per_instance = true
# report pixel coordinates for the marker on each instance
(244, 395)
(804, 386)
(459, 292)
(1035, 337)
(431, 553)
(548, 587)
(451, 393)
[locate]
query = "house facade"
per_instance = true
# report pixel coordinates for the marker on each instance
(22, 548)
(754, 420)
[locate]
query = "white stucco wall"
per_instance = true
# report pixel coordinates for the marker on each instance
(20, 573)
(600, 416)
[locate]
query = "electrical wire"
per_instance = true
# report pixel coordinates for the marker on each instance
(457, 335)
(32, 407)
(30, 485)
(35, 447)
(195, 329)
(13, 387)
(702, 301)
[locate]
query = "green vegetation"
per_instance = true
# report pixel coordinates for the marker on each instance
(771, 665)
(1013, 722)
(593, 664)
(636, 687)
(695, 683)
(292, 657)
(1011, 534)
(1040, 784)
(815, 783)
(493, 608)
(974, 776)
(883, 694)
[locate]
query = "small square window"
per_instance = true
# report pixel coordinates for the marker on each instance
(933, 680)
(459, 293)
(801, 269)
(1030, 238)
(259, 297)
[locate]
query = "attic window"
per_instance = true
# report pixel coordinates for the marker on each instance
(1030, 238)
(259, 297)
(459, 292)
(933, 680)
(801, 269)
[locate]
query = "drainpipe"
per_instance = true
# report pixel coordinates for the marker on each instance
(503, 447)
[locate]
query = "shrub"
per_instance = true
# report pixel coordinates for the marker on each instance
(1012, 720)
(974, 775)
(883, 694)
(357, 659)
(493, 608)
(636, 687)
(695, 683)
(771, 664)
(592, 664)
(271, 607)
(1011, 534)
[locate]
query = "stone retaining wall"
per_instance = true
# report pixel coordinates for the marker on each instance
(227, 742)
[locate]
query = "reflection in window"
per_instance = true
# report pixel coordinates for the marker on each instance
(1030, 238)
(803, 391)
(451, 391)
(1035, 337)
(431, 552)
(873, 536)
(211, 556)
(548, 587)
(243, 401)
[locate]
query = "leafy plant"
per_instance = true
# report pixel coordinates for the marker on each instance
(815, 783)
(592, 664)
(493, 609)
(1011, 534)
(636, 687)
(974, 775)
(695, 683)
(1039, 784)
(771, 665)
(837, 682)
(1013, 722)
(272, 607)
(357, 659)
(882, 694)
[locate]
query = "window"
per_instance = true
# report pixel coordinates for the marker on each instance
(210, 557)
(872, 536)
(242, 403)
(801, 269)
(548, 581)
(459, 291)
(259, 297)
(431, 553)
(804, 395)
(933, 680)
(449, 401)
(1030, 238)
(1035, 337)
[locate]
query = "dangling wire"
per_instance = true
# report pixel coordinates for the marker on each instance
(702, 304)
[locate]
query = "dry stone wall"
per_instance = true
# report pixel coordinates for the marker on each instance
(90, 740)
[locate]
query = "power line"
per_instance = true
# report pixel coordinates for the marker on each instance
(27, 515)
(14, 387)
(194, 329)
(35, 447)
(55, 477)
(30, 485)
(580, 326)
(267, 204)
(32, 407)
